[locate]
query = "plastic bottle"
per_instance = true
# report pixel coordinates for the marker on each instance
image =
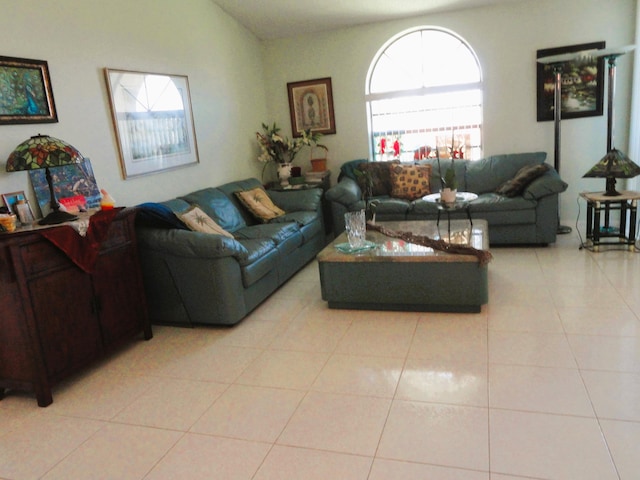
(106, 202)
(24, 212)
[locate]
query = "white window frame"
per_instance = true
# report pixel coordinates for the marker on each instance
(475, 151)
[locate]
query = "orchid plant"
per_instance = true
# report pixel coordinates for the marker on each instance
(280, 149)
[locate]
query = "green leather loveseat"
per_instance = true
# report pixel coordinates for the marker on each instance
(529, 217)
(193, 278)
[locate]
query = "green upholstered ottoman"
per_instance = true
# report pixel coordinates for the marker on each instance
(396, 275)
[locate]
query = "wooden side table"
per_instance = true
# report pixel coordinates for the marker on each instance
(598, 204)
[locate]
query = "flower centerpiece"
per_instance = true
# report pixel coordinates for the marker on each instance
(278, 149)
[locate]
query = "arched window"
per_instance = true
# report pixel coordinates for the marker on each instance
(424, 90)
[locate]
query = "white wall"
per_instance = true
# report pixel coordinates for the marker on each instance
(233, 91)
(505, 37)
(79, 38)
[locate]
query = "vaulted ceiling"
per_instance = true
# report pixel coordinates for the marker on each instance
(269, 19)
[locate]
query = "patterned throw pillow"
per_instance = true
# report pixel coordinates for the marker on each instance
(527, 174)
(198, 221)
(259, 204)
(380, 177)
(410, 181)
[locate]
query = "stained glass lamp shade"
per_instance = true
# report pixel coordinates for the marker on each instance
(42, 151)
(614, 164)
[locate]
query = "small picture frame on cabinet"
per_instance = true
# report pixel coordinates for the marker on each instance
(16, 203)
(11, 200)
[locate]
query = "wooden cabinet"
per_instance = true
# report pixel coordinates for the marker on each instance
(55, 318)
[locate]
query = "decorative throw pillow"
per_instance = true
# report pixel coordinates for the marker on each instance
(259, 204)
(380, 177)
(516, 185)
(198, 221)
(410, 181)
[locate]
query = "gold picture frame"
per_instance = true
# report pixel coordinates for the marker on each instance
(153, 121)
(311, 106)
(27, 96)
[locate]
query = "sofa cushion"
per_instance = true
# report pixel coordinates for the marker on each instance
(198, 221)
(516, 185)
(548, 184)
(217, 205)
(438, 169)
(380, 177)
(259, 204)
(301, 218)
(277, 232)
(493, 202)
(262, 259)
(410, 181)
(297, 200)
(388, 205)
(176, 205)
(500, 210)
(486, 175)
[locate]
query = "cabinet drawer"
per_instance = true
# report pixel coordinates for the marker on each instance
(41, 256)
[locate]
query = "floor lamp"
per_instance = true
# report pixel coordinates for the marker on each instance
(556, 63)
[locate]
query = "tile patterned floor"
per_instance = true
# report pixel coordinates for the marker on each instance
(544, 383)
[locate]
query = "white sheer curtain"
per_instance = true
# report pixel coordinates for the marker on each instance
(634, 127)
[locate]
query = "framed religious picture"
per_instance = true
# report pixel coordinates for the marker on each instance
(311, 106)
(582, 81)
(25, 92)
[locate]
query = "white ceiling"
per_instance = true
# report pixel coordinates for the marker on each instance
(269, 19)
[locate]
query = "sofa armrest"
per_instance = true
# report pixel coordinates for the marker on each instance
(297, 200)
(346, 192)
(186, 243)
(548, 184)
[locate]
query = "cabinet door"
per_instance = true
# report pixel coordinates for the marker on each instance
(118, 292)
(16, 355)
(64, 310)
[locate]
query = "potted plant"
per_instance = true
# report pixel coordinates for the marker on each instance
(310, 139)
(280, 150)
(449, 182)
(365, 180)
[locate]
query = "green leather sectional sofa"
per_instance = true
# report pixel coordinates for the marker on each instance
(530, 217)
(195, 278)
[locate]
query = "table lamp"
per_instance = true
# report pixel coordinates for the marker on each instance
(42, 151)
(614, 164)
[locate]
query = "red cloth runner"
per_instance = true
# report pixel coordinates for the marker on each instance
(83, 251)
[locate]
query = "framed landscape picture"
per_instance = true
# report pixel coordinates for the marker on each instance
(153, 121)
(582, 84)
(311, 106)
(25, 92)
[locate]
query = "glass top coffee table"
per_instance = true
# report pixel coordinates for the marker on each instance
(462, 203)
(397, 275)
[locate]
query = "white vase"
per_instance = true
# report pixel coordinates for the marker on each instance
(447, 195)
(284, 172)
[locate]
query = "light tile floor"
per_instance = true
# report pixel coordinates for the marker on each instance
(544, 383)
